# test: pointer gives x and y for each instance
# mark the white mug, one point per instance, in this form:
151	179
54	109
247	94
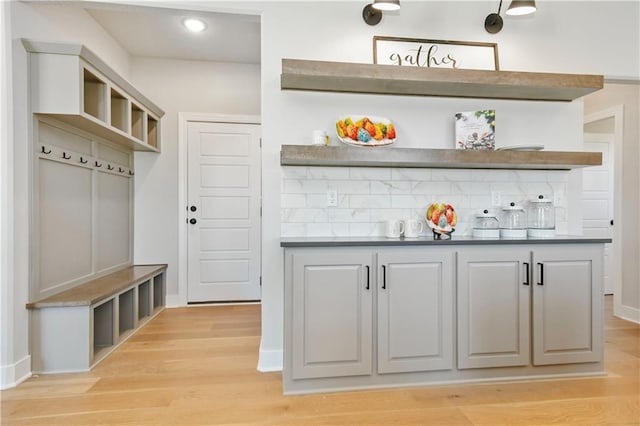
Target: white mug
320	137
413	228
394	228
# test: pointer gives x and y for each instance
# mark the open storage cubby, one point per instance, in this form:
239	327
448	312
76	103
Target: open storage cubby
144	300
76	328
119	111
158	291
70	83
126	311
152	131
103	335
137	121
94	90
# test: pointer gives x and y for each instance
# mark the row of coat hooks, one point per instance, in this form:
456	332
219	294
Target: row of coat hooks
83	160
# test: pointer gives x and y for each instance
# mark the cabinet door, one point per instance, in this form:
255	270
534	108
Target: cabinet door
493	306
567	304
331	314
415	310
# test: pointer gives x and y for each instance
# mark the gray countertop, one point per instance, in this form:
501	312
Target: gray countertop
428	240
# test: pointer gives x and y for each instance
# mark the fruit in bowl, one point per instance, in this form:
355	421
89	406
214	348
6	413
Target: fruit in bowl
365	130
441	218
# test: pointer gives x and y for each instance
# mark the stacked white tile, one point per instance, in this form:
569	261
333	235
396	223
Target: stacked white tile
369	196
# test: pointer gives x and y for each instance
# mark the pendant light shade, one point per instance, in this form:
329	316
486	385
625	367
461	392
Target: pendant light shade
386	5
521	7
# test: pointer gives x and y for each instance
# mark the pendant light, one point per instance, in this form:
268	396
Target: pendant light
521	7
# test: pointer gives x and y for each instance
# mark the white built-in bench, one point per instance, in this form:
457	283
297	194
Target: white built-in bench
75	329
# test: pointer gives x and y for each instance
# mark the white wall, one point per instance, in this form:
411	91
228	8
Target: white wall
179	86
627	95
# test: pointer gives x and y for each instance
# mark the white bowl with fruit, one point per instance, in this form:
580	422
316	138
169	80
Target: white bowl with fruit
365	130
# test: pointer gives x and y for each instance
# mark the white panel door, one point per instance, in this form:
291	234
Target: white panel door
597	198
223	212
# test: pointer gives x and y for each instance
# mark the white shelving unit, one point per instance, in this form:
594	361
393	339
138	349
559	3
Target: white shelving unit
72	84
77	328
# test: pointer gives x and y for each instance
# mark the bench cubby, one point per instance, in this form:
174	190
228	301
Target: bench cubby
77	328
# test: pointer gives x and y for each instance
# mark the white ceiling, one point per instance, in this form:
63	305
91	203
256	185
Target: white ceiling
158	32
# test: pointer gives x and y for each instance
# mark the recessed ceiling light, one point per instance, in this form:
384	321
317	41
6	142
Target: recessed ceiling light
194	24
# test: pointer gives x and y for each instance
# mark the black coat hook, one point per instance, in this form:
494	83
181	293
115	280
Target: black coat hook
120	170
44	151
97	164
83	161
109	167
130	173
64	155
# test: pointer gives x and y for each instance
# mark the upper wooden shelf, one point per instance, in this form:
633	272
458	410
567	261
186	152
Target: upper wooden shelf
421	81
344	156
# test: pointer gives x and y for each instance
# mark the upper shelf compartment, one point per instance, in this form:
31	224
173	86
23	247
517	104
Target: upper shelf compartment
71	83
421	81
305	155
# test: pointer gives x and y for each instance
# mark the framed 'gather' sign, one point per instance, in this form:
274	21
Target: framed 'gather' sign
415	52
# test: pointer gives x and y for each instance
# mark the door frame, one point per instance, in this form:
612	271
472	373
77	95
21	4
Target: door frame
617	113
184	118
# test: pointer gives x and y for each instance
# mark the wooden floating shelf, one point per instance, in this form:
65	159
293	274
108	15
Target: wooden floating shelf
421	81
338	156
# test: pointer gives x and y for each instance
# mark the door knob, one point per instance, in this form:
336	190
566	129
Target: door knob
193	221
193	208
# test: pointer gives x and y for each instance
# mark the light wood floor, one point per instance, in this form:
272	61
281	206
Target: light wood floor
197	366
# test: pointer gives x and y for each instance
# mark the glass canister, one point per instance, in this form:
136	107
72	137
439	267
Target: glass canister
486	226
513	223
541	218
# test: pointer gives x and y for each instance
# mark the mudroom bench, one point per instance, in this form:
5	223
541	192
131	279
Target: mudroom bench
75	329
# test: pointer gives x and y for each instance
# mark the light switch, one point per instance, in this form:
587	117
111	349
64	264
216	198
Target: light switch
332	198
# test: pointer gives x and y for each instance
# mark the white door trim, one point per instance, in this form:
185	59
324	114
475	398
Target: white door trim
617	113
184	118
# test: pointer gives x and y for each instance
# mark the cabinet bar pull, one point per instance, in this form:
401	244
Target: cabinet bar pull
526	268
368	278
541	274
384	277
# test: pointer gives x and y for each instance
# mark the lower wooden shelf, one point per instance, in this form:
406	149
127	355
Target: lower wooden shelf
343	156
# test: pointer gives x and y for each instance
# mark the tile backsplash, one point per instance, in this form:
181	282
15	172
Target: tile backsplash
369	196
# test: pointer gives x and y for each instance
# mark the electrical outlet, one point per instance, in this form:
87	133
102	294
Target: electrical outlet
496	199
332	198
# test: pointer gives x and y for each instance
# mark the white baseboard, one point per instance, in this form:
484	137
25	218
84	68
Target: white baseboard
13	374
173	301
627	313
269	360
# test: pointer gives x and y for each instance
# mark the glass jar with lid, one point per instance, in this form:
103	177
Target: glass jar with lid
486	225
541	218
513	223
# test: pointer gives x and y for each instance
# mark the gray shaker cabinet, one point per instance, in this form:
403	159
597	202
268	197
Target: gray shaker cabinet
567	304
331	313
493	306
415	310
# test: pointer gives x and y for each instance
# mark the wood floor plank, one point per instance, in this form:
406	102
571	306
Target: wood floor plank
197	366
